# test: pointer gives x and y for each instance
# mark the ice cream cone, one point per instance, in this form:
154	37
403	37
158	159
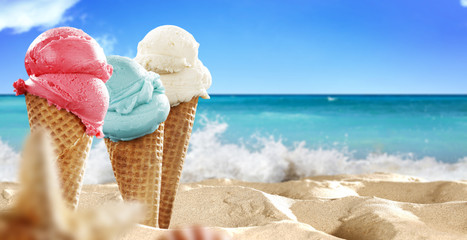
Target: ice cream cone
172	52
71	143
137	165
178	127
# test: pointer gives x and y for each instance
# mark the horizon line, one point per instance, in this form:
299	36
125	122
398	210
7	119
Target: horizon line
319	94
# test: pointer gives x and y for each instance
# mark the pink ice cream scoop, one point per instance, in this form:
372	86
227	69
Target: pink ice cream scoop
69	69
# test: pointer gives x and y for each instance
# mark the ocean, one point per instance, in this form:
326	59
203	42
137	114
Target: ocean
272	138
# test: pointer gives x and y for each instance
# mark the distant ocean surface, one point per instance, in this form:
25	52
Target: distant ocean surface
272	138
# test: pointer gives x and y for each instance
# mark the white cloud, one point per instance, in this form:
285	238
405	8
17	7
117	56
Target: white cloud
22	15
464	3
107	42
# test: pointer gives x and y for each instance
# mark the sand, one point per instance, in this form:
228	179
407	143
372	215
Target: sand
373	206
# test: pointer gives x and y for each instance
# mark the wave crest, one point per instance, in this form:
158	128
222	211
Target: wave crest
9	162
261	159
271	161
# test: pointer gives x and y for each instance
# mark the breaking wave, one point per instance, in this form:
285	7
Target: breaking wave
262	159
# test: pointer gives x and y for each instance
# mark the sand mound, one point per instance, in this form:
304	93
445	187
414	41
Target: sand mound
383	219
230	207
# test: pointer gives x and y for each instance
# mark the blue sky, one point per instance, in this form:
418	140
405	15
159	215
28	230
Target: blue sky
294	46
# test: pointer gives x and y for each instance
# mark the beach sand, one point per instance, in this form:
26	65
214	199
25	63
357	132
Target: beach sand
373	206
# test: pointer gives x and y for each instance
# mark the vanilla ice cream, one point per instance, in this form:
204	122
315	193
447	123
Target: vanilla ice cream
172	52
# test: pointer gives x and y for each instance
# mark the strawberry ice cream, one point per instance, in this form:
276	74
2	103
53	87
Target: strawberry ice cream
69	69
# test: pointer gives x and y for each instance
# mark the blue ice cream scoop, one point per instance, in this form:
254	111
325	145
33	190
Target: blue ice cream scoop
137	101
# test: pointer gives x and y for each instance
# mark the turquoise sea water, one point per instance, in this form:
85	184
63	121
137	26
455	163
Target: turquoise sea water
423	125
404	128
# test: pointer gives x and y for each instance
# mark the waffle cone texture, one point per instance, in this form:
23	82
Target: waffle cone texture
70	142
137	166
178	127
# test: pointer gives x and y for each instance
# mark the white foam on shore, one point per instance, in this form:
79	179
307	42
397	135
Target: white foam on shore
272	161
269	160
98	167
9	162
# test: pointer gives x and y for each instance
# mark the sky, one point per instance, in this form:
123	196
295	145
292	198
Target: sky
270	46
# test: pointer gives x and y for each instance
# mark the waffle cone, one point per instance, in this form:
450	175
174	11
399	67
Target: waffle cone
137	166
71	143
178	127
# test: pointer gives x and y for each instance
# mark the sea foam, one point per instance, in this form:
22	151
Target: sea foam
261	159
9	162
271	161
